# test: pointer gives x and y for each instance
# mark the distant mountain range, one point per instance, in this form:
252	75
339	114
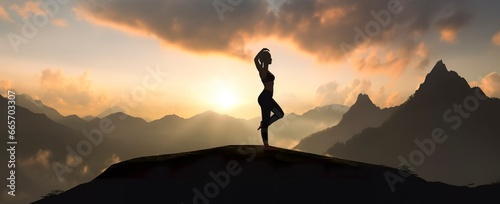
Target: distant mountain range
37	106
283	133
45	141
361	115
447	131
40	143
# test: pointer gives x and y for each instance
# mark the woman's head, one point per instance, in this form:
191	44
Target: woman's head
265	57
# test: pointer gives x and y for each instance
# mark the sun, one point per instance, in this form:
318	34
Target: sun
222	95
225	99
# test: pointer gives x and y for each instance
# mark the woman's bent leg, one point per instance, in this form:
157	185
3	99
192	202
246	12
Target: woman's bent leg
277	112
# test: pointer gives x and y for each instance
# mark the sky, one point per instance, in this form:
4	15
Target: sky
154	58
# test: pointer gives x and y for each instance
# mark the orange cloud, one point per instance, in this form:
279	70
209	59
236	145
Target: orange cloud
381	59
331	15
82	14
449	26
317	27
40	158
448	35
5	85
496	39
29	8
110	161
59	22
383	99
67	94
4	15
490	84
333	93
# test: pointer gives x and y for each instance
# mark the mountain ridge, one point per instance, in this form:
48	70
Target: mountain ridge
445	104
362	114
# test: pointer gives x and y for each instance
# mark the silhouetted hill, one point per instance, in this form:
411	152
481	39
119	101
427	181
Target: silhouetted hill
249	174
88	118
37	106
361	115
325	114
110	111
124	120
447	131
73	121
40	143
168	120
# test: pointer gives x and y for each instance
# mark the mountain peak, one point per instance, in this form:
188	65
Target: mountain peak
110	111
441	81
364	101
439	68
363	97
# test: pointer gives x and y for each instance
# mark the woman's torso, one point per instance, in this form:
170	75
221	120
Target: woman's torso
268	81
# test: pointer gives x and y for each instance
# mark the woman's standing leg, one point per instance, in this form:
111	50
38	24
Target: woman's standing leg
264	124
265	108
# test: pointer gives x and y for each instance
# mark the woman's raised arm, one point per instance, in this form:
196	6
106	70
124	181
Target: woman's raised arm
258	65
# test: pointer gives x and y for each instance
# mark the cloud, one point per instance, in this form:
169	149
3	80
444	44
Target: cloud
41	158
328	94
85	170
190	24
496	39
59	22
383	99
5	85
69	93
4	15
291	101
333	93
27	9
73	160
110	161
317	27
490	84
448	35
449	26
392	62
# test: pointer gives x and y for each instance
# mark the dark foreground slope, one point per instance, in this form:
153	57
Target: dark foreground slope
249	174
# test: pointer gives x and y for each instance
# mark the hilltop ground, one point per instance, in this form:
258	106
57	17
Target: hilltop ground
250	174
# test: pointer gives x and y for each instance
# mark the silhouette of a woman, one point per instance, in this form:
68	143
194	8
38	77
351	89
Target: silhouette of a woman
267	103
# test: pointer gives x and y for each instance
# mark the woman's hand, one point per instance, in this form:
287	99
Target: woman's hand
256	59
